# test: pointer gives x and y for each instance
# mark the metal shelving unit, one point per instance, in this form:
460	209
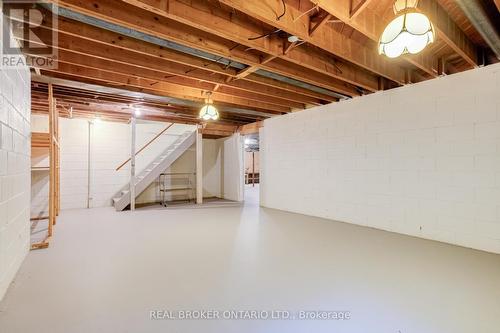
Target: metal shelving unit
176	182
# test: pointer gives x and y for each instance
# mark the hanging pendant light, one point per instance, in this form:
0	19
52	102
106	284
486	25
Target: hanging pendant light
410	32
209	111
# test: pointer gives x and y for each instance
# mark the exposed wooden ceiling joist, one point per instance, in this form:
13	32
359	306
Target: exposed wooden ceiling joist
371	23
314	26
136	95
354	11
259	58
106	75
223	40
326	38
85	53
118	108
133	70
72	32
199	14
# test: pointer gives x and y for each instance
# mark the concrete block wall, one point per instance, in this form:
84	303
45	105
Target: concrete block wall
15	105
421	160
109	147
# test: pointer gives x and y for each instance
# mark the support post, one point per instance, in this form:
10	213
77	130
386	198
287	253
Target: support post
441	67
253	169
132	164
89	163
199	166
57	160
52	164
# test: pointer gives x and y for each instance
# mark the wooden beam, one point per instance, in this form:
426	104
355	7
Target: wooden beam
238	96
236	31
441	67
85	102
201	15
372	24
329	39
40	246
288	87
162	88
251	69
83	52
450	32
52	164
40	140
381	83
111	45
77	29
216	126
252	128
215	134
356	10
199	166
369	23
319	24
288	47
124	117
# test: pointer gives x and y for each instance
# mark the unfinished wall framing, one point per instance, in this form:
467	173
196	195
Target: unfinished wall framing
50	141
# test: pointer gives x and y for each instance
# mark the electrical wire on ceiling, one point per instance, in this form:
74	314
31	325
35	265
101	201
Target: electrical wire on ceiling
275	31
300	43
222	57
306	12
284	11
265	35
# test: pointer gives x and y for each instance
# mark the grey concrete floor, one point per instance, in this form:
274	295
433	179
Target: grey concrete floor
105	271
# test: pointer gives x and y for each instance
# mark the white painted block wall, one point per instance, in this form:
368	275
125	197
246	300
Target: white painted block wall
15	107
421	160
110	146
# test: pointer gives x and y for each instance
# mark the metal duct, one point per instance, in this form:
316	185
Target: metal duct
477	14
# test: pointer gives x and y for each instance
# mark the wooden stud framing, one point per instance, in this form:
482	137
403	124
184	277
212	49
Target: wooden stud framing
199	166
54	169
441	67
52	163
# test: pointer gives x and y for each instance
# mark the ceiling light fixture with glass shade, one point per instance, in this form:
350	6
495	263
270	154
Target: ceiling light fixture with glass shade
209	111
410	32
